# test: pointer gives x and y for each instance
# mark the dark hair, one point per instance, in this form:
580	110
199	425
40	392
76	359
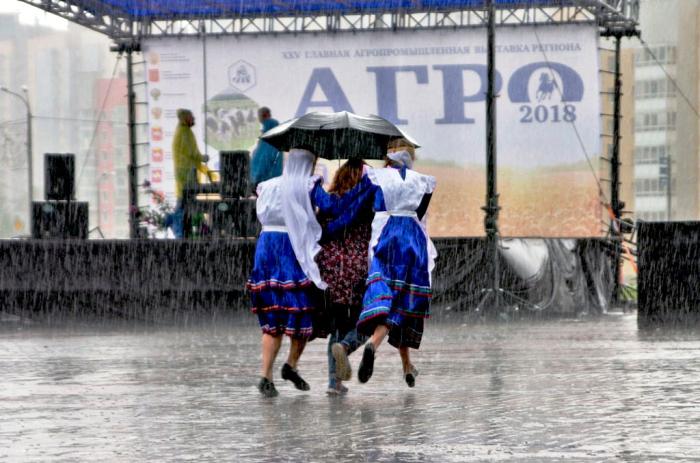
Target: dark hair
347	176
264	110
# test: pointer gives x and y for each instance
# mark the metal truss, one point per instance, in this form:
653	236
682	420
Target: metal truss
96	15
604	13
92	14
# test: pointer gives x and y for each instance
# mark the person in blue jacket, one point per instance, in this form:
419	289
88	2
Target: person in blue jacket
267	160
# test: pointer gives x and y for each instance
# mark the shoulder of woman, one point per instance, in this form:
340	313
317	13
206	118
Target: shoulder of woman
262	186
268	185
371	174
429	181
315	180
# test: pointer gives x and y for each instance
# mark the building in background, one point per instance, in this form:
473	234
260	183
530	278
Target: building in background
67	71
13	127
666	126
112	156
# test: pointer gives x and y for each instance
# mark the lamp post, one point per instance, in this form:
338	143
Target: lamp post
25	100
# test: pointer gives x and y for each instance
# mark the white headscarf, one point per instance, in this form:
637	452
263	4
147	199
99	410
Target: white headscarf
402	157
299	217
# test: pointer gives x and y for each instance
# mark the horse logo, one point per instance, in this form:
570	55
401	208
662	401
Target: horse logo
546	88
552	77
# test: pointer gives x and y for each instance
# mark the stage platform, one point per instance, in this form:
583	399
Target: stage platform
146	279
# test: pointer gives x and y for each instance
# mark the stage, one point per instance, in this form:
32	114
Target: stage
168	280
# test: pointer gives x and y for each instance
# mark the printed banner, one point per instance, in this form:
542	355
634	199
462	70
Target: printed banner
430	83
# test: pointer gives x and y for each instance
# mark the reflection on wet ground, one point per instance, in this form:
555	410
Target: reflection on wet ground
594	390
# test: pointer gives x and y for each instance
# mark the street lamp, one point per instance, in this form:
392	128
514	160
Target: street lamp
25	100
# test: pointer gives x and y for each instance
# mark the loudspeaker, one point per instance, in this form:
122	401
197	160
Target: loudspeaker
234	168
234	219
668	285
59	177
59	220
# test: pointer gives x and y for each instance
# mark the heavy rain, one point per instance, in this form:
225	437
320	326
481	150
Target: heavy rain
262	231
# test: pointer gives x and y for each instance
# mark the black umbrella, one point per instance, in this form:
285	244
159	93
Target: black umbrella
340	135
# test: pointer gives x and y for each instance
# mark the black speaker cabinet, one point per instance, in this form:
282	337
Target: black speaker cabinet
59	177
668	288
234	169
234	219
59	220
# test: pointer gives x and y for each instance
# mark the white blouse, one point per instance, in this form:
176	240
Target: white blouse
269	203
401	197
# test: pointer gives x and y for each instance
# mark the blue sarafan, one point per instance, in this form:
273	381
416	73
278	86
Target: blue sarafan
402	257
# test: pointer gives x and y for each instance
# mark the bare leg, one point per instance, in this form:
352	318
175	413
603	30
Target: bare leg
270	348
409	371
405	359
298	345
378	336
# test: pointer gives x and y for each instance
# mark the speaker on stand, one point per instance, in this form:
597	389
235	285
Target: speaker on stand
59	177
59	220
234	216
60	216
235	170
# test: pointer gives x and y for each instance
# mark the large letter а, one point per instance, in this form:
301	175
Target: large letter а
326	81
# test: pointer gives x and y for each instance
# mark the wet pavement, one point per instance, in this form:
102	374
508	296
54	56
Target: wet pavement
592	390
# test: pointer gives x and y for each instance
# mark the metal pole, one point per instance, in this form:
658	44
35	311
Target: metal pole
30	157
204	80
615	171
492	208
669	189
133	192
615	155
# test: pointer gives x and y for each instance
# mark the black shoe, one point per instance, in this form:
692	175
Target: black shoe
364	373
267	388
410	377
290	374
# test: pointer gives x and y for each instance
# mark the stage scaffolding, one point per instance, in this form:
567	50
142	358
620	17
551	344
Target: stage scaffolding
139	19
127	22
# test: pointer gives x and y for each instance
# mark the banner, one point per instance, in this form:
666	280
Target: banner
432	84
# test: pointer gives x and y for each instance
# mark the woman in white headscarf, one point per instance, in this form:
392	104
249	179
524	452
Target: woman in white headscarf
401	256
285	280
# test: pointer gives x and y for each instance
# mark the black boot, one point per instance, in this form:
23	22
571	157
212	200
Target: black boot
410	377
267	388
290	374
364	373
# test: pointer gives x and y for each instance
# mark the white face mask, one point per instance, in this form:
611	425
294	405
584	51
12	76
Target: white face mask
402	157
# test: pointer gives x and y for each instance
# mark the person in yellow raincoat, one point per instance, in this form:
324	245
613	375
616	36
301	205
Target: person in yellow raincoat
186	157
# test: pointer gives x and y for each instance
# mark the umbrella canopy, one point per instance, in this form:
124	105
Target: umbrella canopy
340	135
